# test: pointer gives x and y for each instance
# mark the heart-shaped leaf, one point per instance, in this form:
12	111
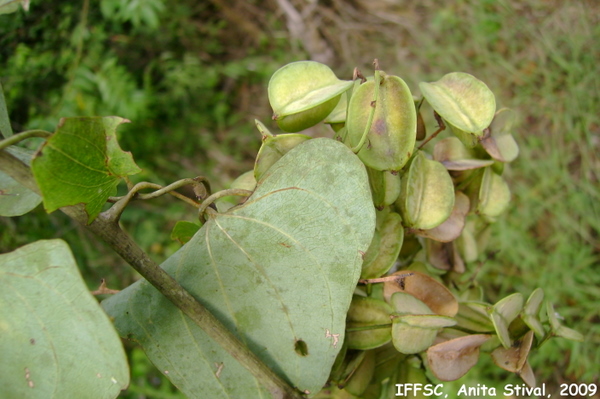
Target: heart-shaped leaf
462	100
82	163
278	270
56	341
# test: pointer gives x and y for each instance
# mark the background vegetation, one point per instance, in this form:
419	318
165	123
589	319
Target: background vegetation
191	76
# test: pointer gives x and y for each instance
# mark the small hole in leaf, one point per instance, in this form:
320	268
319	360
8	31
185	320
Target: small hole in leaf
301	348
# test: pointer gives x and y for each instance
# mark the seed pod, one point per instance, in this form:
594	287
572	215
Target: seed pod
385	246
427	196
303	93
452	359
273	148
503	313
465	103
359	380
385	187
499	142
370	319
390	130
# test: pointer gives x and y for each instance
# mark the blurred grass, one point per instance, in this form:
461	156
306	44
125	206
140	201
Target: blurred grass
539	58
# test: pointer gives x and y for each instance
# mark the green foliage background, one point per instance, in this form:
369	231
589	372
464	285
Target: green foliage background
191	76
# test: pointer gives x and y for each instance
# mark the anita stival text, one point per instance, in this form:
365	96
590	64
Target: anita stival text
477	391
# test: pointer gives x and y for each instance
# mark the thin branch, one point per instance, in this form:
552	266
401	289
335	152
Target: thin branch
441	127
220	194
110	232
17	138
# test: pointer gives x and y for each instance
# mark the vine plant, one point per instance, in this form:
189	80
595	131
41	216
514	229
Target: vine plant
348	266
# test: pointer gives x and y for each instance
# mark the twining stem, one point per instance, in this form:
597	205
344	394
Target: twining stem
17	138
377	81
121	202
109	231
220	194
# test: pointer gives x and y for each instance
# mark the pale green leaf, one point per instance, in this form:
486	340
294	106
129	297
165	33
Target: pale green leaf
15	199
279	271
56	340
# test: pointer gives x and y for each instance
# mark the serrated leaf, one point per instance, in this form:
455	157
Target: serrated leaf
278	270
56	340
82	163
462	100
16	199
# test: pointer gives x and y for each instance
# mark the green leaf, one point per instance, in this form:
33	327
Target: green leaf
15	199
278	270
82	163
56	340
462	100
184	231
10	6
5	127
